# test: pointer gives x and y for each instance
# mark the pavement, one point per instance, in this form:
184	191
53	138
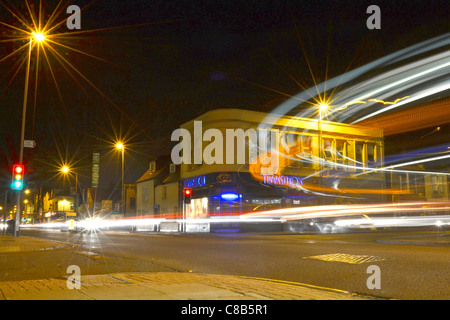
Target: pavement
170	285
153	285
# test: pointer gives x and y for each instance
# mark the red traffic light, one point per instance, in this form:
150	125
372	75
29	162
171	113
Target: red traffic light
18	169
187	195
17	180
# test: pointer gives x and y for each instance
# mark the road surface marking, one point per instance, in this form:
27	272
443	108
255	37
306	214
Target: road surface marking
346	258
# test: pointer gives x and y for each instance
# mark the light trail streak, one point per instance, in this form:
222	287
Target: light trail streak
334	211
431	114
347	169
417	96
397	88
350	171
420	161
408	214
373	100
422	72
379	222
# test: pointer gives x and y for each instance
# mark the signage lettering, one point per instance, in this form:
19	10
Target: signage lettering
282	180
195	182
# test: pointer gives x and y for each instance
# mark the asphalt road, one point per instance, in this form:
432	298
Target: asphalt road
406	271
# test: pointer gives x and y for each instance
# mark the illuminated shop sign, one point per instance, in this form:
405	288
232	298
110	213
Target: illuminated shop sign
223	178
230	196
194	182
282	180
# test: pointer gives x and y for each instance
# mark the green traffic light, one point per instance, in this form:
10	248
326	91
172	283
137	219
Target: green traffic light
17	185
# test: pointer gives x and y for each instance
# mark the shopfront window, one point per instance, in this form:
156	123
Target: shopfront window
359	156
307	152
341	154
259	204
438	185
328	152
371	155
197	209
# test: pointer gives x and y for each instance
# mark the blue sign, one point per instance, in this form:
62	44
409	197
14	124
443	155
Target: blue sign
195	182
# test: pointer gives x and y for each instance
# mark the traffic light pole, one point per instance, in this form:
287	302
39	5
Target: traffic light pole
22	139
4	212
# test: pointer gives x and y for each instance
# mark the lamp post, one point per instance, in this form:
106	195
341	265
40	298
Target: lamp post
38	37
322	108
66	170
3	222
121	147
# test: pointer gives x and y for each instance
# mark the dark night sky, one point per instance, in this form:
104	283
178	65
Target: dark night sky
187	58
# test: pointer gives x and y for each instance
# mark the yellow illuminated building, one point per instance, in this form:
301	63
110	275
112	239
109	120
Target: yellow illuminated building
241	161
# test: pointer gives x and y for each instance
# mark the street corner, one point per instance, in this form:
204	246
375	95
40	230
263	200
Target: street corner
25	243
184	286
201	286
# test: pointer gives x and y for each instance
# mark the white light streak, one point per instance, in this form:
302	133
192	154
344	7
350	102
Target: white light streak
412	221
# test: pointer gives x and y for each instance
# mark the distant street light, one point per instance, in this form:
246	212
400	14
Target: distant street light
66	170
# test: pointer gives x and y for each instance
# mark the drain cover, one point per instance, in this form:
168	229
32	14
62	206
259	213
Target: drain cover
347	258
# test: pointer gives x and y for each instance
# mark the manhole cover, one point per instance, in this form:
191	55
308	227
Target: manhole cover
346	258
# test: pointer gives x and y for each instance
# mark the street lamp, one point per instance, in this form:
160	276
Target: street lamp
66	170
120	146
38	37
322	108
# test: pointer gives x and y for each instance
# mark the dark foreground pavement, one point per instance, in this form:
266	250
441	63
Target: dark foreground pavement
152	285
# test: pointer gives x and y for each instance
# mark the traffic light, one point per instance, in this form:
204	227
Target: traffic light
17	179
187	195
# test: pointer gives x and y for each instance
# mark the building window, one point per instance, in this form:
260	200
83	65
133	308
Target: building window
403	181
438	186
292	145
307	152
371	155
328	152
341	154
359	156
